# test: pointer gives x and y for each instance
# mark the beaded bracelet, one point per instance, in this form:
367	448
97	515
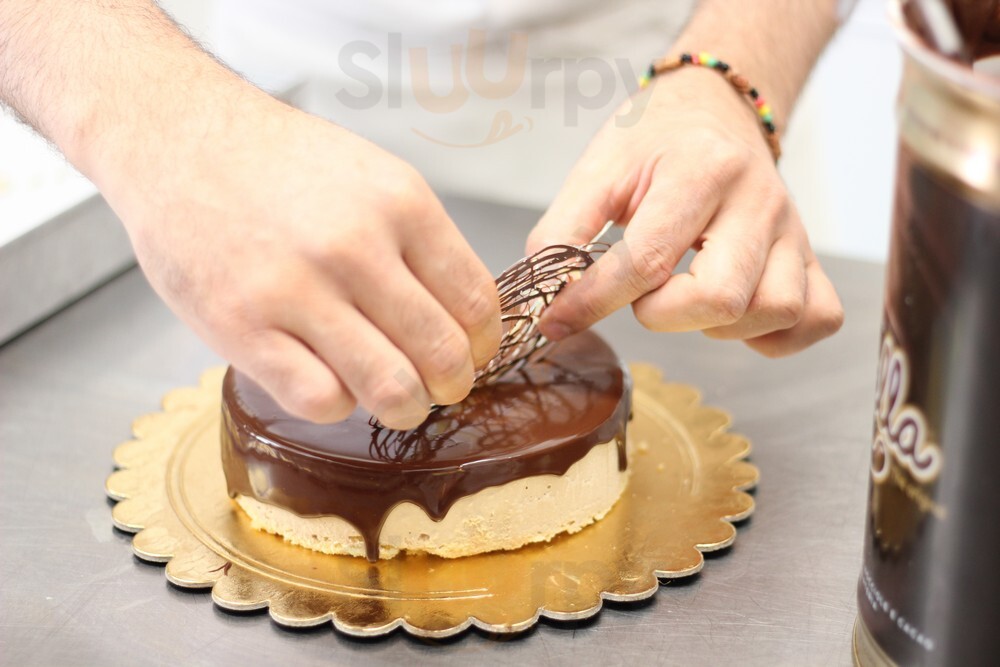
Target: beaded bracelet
738	81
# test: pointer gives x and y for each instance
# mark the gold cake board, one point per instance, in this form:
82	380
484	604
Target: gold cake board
687	485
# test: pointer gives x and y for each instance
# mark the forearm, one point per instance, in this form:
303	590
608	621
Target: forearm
104	80
774	43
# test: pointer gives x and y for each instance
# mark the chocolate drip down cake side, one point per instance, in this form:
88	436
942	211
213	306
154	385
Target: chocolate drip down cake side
539	452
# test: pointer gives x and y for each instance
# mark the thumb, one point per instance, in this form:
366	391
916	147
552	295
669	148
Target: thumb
579	211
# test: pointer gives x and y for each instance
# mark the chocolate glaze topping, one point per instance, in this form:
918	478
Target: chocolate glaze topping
540	420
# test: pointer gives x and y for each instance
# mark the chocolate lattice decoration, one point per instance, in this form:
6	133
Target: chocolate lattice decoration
526	289
492	429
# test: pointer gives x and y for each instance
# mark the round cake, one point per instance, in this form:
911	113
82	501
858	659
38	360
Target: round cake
539	452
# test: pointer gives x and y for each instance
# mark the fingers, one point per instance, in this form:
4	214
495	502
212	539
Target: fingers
822	316
399	341
417	324
397	350
720	282
665	225
443	262
779	303
779	300
375	371
291	373
582	207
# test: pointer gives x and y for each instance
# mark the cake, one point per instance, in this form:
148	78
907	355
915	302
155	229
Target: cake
539	452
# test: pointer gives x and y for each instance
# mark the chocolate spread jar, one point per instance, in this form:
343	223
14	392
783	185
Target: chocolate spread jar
929	591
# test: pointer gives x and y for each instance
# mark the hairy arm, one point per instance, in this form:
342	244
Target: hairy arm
774	43
247	215
91	75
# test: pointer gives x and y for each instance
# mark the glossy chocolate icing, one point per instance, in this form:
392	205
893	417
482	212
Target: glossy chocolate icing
536	421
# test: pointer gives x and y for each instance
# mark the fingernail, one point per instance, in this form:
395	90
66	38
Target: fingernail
555	330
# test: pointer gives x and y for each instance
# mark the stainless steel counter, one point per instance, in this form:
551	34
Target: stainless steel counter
72	593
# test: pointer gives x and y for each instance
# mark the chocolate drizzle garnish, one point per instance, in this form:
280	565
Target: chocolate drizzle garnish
537	420
519	394
526	289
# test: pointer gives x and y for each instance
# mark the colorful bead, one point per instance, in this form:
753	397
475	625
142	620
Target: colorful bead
738	81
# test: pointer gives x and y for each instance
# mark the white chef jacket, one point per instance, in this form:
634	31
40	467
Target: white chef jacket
492	99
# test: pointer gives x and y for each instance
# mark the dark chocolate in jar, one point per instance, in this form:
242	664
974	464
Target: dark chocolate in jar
929	593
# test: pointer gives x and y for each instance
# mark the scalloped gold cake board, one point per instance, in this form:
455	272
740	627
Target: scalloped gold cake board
687	485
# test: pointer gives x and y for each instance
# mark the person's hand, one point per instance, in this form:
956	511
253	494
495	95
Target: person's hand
318	264
693	172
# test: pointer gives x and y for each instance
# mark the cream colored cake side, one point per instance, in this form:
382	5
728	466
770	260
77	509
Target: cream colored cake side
533	509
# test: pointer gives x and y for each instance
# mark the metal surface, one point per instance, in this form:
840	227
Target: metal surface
686	487
73	594
57	261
